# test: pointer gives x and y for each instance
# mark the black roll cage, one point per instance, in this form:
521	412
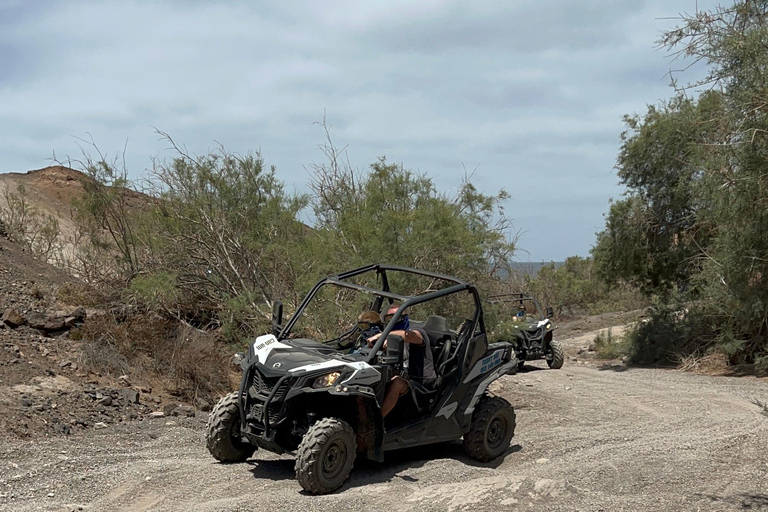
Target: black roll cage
405	300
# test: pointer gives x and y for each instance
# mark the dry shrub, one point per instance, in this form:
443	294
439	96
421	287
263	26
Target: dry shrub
712	363
190	362
86	295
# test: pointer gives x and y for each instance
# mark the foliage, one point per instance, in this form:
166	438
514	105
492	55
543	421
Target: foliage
224	230
575	287
39	233
392	215
607	346
106	240
695	218
190	360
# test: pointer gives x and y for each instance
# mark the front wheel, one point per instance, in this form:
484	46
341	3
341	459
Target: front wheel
493	425
557	355
223	432
325	456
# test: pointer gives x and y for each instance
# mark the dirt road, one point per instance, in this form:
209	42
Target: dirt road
589	437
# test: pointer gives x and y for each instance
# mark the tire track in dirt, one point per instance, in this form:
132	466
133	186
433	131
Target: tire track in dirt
588	438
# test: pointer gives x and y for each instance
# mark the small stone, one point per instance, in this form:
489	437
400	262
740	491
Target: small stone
51	495
542	461
170	423
184	410
157	414
170	409
124	380
100	424
147	479
129	395
12	318
105	401
202	404
26	402
64	364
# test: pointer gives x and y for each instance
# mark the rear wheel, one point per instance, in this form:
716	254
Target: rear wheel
557	355
493	425
223	432
325	456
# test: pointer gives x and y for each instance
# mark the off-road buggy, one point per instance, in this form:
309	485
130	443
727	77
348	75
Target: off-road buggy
309	397
529	328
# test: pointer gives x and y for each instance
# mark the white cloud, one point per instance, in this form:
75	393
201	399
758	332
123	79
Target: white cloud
532	92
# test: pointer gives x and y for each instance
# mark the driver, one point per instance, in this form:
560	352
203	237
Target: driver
421	368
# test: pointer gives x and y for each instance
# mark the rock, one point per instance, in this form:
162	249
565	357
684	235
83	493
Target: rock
124	380
12	318
64	364
130	395
550	488
100	424
44	322
542	461
592	347
156	414
26	402
202	404
78	314
63	429
106	400
170	410
70	321
184	410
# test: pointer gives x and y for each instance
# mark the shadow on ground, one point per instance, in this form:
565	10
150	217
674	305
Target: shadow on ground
747	501
366	472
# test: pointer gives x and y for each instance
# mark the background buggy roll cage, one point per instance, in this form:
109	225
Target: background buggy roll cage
405	300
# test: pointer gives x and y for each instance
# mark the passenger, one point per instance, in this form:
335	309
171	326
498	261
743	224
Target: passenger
421	368
369	323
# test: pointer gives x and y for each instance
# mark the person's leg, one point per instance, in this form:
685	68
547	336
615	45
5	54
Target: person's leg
397	386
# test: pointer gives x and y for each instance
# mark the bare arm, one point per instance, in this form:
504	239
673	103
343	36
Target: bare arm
412	337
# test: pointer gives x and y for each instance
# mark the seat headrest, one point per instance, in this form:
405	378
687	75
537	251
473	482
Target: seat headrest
435	323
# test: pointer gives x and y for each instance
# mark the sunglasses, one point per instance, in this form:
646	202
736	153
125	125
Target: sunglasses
389	316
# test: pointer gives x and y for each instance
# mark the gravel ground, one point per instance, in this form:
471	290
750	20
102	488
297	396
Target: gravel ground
591	436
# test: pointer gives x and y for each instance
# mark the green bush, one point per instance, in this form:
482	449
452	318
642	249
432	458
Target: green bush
607	346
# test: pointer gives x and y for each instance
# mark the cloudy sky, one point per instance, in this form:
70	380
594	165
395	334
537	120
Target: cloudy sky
528	93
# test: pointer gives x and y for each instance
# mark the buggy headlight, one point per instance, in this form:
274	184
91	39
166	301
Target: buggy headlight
549	326
326	381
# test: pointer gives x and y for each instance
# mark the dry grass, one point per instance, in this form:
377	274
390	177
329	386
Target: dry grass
762	405
191	363
714	363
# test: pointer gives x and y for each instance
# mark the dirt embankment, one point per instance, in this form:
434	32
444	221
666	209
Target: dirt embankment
591	436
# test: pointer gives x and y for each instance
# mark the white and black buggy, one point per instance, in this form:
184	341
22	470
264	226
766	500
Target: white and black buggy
317	395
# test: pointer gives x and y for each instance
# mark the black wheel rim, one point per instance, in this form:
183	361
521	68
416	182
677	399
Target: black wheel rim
333	461
234	432
497	431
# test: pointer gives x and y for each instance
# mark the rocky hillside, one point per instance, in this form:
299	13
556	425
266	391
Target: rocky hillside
44	390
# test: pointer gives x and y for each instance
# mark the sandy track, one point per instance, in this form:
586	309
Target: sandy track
588	438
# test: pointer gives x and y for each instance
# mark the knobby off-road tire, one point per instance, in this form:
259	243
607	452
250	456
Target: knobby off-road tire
223	432
325	456
558	356
493	425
